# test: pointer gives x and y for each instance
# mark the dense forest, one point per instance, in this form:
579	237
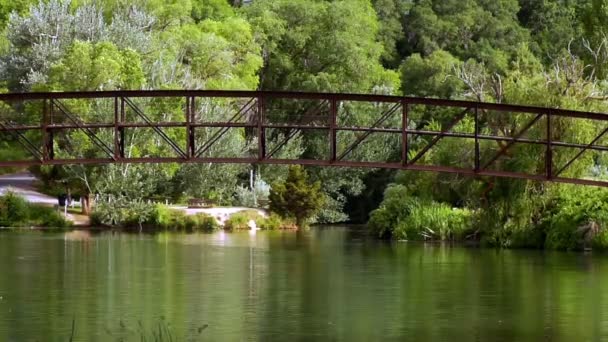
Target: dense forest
544	53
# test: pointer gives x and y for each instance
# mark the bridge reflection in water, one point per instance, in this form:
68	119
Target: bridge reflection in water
191	124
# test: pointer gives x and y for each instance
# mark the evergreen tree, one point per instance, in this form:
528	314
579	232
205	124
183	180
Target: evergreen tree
296	197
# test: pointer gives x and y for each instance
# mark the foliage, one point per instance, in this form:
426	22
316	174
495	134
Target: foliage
16	212
241	220
578	218
296	197
43	216
434	221
274	222
121	211
204	223
252	197
405	217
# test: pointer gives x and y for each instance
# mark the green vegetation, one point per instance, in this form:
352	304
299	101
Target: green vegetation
296	197
542	53
407	218
16	212
122	213
275	222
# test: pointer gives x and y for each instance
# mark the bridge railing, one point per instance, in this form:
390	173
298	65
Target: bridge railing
349	130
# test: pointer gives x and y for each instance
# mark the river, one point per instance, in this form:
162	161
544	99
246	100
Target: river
325	284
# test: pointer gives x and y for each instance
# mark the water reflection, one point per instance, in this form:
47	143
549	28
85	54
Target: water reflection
324	284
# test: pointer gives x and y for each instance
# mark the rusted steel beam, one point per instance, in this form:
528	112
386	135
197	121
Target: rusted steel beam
283	142
156	129
417	167
293	130
23	141
261	129
224	127
48	127
519	134
438	137
583	150
477	152
47	153
80	125
383	117
549	149
117	155
12	97
404	135
333	136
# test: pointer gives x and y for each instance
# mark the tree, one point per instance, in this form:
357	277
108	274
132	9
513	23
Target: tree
296	197
485	30
327	46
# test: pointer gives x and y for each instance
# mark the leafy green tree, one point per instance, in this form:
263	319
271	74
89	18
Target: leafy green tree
320	46
296	197
432	76
39	39
552	24
484	30
9	6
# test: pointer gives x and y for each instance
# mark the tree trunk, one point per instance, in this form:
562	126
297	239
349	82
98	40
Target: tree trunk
86	204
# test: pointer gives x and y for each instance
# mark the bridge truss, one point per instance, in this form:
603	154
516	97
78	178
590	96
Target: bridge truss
190	124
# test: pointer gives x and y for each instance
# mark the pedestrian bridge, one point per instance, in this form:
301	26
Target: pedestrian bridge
490	140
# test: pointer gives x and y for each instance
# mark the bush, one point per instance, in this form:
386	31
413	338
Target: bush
204	223
41	216
14	210
296	197
434	221
272	222
578	218
237	221
254	197
404	217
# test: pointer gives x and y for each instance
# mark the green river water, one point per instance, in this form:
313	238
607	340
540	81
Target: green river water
327	284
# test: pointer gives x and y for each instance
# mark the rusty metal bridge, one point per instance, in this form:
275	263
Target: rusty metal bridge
190	123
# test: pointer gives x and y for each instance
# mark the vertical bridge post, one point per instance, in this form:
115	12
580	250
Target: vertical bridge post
549	152
333	112
477	156
404	127
190	148
261	129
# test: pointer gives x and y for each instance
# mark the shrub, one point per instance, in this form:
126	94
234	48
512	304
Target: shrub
176	220
434	221
296	197
272	222
203	222
159	216
395	207
252	197
42	216
237	221
578	218
404	217
14	210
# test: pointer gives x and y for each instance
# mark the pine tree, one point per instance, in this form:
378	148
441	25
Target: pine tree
296	197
